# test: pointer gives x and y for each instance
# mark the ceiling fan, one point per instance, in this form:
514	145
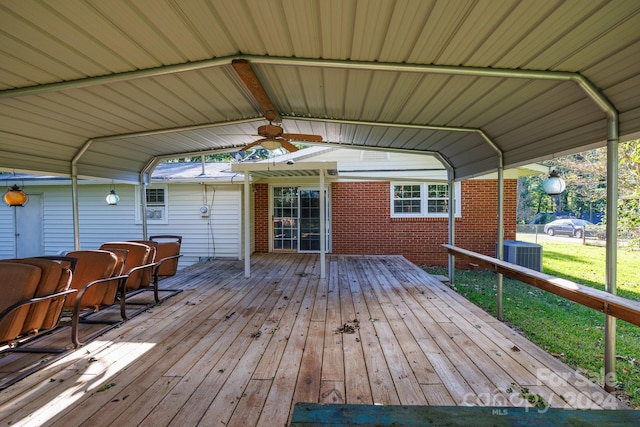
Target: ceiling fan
273	136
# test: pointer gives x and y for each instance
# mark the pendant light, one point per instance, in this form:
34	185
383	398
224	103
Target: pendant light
15	196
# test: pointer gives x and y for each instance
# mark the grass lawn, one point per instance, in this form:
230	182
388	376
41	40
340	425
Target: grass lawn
569	331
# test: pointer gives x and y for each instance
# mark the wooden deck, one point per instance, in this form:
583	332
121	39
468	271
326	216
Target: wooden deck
241	352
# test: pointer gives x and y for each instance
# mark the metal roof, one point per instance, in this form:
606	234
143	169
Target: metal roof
115	85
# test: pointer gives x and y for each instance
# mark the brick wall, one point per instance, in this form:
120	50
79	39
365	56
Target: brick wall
362	224
261	217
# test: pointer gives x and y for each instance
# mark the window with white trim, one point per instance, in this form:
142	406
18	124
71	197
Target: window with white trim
427	199
156	210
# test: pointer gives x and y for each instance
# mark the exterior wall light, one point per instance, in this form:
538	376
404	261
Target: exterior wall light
15	196
553	185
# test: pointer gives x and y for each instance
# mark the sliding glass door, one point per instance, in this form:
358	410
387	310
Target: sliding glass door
296	219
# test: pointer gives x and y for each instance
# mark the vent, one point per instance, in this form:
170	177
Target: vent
524	254
374	155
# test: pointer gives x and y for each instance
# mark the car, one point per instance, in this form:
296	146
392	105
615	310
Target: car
547	217
569	227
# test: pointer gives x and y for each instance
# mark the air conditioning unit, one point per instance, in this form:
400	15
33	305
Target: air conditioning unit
525	254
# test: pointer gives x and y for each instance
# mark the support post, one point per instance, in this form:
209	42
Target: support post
143	204
500	249
323	228
612	248
75	203
247	226
452	223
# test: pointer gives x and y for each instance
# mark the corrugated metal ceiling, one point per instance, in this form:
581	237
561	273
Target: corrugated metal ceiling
146	78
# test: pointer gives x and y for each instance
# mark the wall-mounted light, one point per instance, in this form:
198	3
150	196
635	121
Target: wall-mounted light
553	185
112	197
15	196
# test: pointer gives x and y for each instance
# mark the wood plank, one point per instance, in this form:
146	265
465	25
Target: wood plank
279	403
357	385
333	353
383	389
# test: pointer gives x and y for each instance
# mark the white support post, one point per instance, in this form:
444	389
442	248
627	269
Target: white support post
500	235
247	226
323	228
613	140
452	223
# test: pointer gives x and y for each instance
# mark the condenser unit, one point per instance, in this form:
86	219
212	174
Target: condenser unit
525	254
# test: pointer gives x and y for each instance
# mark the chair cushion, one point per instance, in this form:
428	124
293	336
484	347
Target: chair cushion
19	283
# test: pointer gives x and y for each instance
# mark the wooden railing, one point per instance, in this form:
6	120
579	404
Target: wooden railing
613	305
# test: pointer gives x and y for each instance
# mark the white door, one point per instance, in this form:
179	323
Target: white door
29	227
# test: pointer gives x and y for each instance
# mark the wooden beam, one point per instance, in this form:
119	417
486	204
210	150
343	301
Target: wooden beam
251	81
613	305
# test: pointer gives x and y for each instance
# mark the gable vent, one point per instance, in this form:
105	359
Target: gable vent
374	155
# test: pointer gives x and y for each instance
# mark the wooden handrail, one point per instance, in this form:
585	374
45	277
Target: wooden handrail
613	305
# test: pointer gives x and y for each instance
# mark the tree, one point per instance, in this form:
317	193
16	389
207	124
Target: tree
585	175
629	200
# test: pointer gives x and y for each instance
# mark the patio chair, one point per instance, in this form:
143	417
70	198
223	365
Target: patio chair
19	283
147	274
97	278
32	294
40	306
169	251
137	256
158	258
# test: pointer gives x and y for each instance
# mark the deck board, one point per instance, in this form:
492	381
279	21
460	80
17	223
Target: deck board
235	351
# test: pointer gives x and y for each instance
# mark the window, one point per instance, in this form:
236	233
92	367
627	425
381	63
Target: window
407	199
422	199
156	205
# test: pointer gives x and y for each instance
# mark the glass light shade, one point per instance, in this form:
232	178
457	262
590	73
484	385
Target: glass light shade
553	185
15	196
112	198
270	144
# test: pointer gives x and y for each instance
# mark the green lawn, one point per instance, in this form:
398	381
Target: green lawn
569	331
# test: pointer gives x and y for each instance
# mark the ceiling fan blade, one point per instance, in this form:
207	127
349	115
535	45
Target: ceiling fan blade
288	146
249	78
253	144
302	137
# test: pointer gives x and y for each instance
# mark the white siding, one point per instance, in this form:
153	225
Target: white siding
215	236
7	231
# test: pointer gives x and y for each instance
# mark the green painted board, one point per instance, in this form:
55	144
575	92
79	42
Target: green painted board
317	414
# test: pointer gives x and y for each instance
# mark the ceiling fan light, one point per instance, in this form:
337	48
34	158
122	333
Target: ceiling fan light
270	144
